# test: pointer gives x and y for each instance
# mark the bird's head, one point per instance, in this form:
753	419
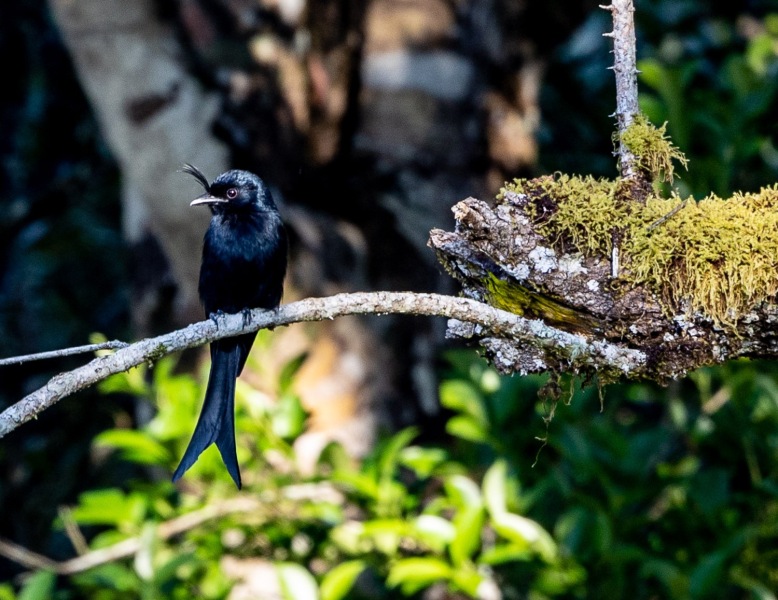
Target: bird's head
232	191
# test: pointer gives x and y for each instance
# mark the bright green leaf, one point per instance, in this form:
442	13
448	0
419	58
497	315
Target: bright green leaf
464	398
338	582
466	428
467	539
414	574
463	491
288	417
521	530
434	531
296	582
495	488
134	446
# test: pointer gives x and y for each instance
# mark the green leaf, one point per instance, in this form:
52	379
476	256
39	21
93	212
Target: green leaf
414	574
505	553
521	530
468	580
389	454
296	582
709	574
338	582
110	576
288	417
134	446
7	592
423	461
466	428
463	491
463	397
286	378
109	507
434	531
467	540
40	586
651	72
585	532
131	382
494	487
385	534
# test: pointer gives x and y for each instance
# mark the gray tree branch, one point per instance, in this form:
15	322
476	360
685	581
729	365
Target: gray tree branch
18	360
578	351
625	69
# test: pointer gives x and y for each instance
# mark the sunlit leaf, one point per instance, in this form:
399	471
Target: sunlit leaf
296	582
338	582
288	417
521	530
495	488
467	539
109	507
414	574
463	397
466	428
423	461
434	531
134	446
463	491
40	586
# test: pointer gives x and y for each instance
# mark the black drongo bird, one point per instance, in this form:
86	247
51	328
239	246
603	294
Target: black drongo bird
244	262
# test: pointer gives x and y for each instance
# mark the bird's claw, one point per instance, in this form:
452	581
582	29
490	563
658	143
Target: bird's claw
214	316
246	314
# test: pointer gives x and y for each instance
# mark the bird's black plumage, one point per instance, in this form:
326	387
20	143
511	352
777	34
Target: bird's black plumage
243	267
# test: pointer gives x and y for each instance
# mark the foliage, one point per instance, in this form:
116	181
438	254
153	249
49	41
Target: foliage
663	494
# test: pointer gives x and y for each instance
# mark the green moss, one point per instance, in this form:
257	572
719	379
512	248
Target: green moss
159	351
654	151
572	211
717	256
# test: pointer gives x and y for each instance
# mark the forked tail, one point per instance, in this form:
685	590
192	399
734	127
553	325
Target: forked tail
216	424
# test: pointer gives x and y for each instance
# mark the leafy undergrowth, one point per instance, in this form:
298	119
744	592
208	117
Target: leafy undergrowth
667	494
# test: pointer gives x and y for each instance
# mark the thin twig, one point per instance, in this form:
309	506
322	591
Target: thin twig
625	69
22	556
17	360
666	217
267	506
493	321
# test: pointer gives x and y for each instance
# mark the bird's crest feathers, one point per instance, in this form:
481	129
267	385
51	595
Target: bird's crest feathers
197	174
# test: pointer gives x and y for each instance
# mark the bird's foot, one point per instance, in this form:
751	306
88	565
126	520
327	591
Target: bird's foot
275	312
246	314
214	316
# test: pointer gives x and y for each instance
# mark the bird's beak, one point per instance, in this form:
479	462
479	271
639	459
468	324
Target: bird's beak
207	198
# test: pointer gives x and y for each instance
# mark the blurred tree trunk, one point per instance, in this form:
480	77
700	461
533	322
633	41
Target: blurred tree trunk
371	119
155	116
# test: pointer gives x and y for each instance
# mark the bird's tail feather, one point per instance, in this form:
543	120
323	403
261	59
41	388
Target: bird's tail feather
216	424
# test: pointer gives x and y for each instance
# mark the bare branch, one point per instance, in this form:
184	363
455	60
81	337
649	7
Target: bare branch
18	360
130	546
265	507
490	320
625	68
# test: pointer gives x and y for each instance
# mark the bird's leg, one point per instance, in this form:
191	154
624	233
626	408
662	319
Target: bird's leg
246	313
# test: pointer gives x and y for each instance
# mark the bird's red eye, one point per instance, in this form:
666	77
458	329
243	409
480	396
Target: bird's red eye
232	193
